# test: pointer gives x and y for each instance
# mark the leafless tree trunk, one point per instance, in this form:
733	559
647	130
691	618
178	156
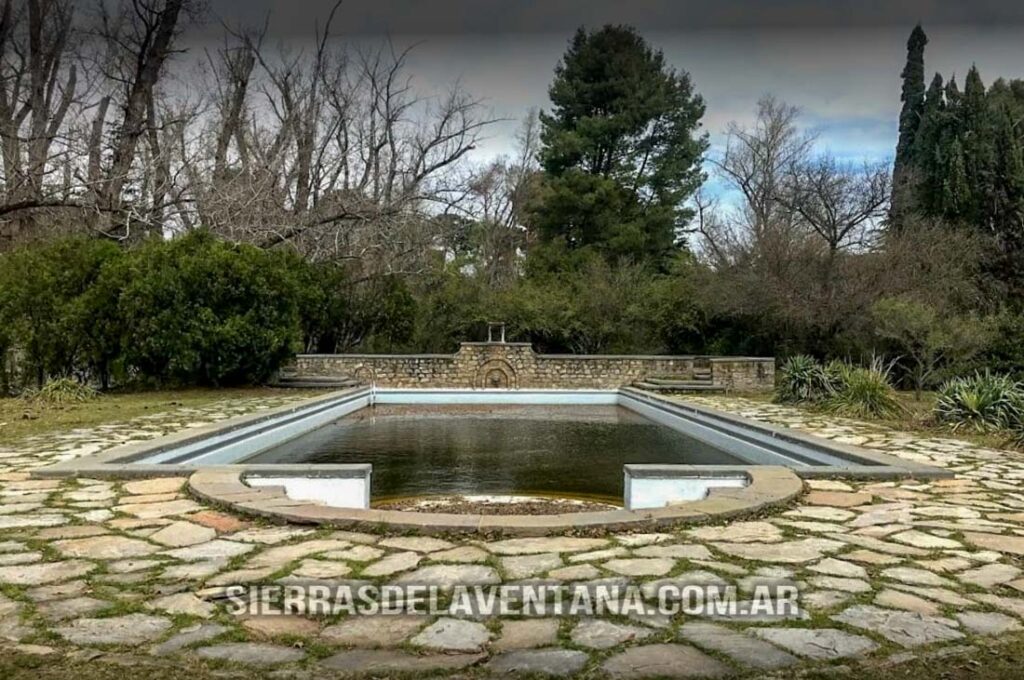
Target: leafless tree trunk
149	37
37	88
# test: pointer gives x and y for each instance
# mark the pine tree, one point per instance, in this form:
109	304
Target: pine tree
622	149
965	162
913	98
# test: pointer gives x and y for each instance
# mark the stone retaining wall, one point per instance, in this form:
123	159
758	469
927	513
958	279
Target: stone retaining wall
516	365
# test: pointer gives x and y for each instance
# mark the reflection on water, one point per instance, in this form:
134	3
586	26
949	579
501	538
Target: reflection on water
565	451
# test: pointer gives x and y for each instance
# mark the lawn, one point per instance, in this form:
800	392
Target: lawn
20	418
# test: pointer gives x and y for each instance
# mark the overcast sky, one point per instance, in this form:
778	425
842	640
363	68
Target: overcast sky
838	60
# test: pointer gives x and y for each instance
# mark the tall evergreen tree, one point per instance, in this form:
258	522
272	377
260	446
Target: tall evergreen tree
913	98
928	144
622	149
966	163
979	151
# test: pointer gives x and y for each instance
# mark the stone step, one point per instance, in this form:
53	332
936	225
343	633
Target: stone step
314	381
675	382
679	386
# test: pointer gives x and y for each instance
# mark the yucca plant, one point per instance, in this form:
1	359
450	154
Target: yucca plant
863	392
983	402
802	379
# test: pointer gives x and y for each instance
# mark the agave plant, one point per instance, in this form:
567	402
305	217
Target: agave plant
983	402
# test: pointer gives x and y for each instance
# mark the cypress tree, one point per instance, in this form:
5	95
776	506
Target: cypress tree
1008	200
960	158
928	149
953	98
912	96
979	151
957	191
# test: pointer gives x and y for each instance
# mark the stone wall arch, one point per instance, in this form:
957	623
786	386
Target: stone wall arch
496	374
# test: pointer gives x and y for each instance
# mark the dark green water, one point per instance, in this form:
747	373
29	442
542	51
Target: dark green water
567	451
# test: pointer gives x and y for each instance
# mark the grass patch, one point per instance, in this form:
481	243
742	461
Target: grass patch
21	418
916	416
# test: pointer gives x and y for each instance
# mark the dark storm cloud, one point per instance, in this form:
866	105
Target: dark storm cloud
425	17
837	60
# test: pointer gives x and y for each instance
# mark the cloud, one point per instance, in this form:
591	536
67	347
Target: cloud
838	61
463	17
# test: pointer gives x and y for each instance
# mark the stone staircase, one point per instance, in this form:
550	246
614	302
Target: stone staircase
318	382
700	381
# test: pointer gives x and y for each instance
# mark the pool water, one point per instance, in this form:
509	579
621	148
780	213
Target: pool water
566	451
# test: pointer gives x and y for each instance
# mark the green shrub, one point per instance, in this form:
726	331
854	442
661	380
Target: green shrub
62	391
43	292
983	402
862	392
198	310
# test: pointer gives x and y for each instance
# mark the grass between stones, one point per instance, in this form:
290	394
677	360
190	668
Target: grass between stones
987	659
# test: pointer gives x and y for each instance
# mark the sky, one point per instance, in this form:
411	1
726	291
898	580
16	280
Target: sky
837	60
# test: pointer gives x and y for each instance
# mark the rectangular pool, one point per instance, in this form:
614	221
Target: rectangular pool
434	449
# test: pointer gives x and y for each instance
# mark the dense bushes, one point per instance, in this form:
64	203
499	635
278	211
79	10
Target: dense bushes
200	311
839	387
595	308
48	308
193	310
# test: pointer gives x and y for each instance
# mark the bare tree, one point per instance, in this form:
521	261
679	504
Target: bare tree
842	203
145	42
792	252
331	152
756	162
38	83
327	150
489	209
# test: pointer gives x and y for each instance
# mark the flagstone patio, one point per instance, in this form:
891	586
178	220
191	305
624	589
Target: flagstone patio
135	569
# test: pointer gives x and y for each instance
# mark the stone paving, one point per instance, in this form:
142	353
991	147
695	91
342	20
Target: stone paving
136	570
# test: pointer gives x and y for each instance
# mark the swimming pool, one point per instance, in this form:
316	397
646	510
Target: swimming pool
429	449
333	458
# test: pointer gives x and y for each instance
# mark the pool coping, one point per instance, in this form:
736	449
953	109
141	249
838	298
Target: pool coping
769	486
118	461
873	464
